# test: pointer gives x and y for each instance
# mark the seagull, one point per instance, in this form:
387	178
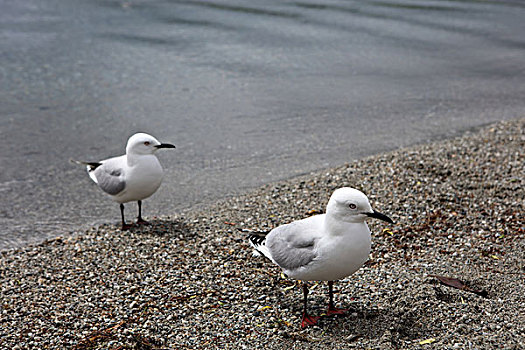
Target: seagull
131	177
325	247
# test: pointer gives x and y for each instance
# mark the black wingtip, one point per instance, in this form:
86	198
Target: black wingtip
91	165
257	239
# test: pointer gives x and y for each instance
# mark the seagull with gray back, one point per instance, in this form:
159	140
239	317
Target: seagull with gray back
324	247
133	176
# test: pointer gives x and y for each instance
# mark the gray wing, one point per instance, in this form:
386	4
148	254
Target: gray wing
292	245
110	178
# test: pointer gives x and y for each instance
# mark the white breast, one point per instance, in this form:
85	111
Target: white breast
143	178
338	256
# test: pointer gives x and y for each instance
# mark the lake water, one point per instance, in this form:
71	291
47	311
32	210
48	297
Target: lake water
249	91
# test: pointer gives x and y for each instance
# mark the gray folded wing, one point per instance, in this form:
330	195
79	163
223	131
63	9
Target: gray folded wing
110	178
291	246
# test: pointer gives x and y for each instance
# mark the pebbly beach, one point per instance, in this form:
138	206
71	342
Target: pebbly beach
190	281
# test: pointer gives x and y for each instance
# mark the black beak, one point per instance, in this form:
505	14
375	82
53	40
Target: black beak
380	216
165	145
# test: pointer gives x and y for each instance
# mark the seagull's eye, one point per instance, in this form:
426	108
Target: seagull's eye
352	206
146	143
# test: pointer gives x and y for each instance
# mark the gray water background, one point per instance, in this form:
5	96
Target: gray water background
249	91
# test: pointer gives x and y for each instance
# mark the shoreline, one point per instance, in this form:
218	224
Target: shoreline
241	192
69	223
457	207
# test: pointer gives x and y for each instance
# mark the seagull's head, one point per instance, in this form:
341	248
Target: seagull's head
142	143
351	205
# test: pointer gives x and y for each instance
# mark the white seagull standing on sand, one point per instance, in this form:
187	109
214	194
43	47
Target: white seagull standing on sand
131	177
324	247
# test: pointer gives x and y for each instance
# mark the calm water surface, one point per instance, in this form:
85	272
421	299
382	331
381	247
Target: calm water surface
249	91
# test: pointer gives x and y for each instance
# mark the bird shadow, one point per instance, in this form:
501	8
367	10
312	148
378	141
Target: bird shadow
387	324
163	227
392	325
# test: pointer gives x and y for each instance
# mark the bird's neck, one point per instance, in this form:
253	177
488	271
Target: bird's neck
133	158
336	226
